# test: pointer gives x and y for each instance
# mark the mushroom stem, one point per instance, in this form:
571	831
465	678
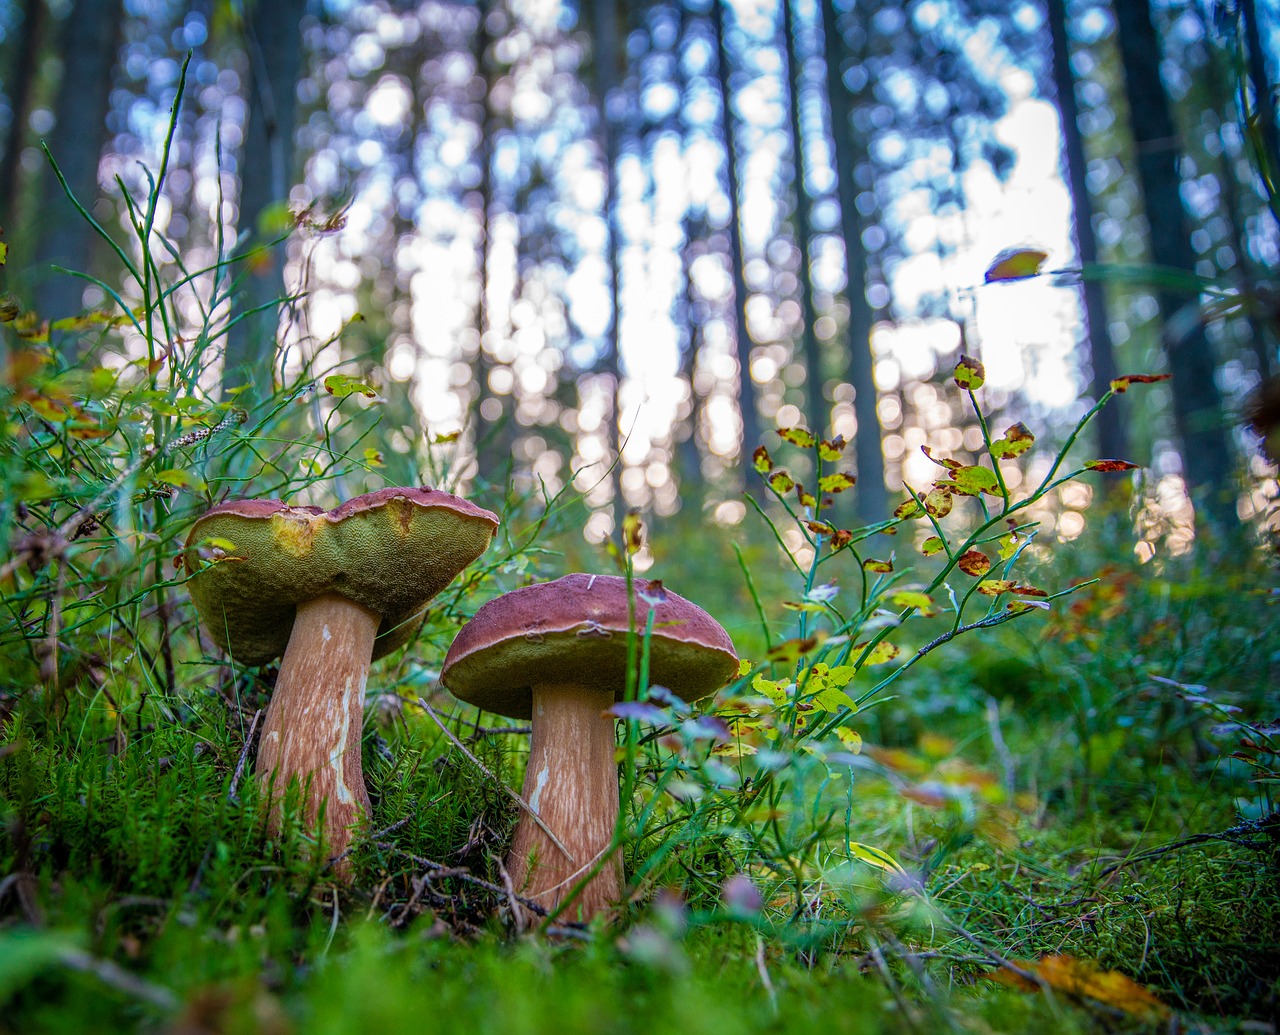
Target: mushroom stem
572	784
312	727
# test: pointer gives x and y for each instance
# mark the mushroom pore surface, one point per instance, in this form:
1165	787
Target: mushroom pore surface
574	631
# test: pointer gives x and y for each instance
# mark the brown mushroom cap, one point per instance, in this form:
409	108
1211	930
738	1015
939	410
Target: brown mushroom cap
574	630
390	551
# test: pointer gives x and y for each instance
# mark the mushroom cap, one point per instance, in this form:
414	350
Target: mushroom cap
391	551
574	630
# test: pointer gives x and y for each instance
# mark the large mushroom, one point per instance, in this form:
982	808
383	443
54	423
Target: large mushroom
330	591
557	653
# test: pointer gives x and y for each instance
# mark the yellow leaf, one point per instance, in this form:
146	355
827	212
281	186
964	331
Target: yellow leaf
851	740
1084	980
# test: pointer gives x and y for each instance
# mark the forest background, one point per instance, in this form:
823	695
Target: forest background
580	260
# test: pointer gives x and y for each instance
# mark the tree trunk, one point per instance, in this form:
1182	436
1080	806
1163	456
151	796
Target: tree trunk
273	44
22	79
748	403
871	498
815	397
1261	84
1197	404
1097	334
90	41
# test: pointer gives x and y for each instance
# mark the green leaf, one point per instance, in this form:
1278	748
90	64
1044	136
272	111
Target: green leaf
932	545
1017	440
342	385
876	857
916	598
970	373
830	449
774	689
180	479
761	460
833	699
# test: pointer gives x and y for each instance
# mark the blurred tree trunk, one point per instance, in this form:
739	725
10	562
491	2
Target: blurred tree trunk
90	41
815	398
1097	334
22	76
1262	92
871	498
748	403
606	55
273	45
493	454
1197	404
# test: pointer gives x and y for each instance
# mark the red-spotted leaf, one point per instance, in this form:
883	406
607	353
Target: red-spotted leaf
939	501
798	437
1015	264
882	567
932	545
950	465
881	652
841	538
970	373
836	483
761	460
1109	465
781	482
1121	384
909	509
974	562
1017	440
969	481
819	527
830	449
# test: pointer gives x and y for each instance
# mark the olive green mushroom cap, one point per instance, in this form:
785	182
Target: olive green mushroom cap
574	631
255	561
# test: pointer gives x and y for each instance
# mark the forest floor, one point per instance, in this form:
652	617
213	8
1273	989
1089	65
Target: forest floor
1069	826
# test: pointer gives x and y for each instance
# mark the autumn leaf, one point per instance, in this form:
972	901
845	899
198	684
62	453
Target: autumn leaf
1121	384
1109	465
881	567
1017	440
970	481
970	373
836	483
1084	979
849	739
761	460
632	531
880	653
916	598
994	587
974	562
949	464
1015	264
790	651
445	437
909	509
841	538
781	482
798	437
819	527
806	498
939	501
830	449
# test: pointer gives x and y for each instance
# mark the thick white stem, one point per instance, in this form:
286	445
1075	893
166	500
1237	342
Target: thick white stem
572	784
312	728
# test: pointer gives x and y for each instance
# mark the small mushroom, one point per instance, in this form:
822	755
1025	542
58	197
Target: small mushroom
331	591
557	653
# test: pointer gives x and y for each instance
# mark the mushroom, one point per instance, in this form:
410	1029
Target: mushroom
557	653
331	591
